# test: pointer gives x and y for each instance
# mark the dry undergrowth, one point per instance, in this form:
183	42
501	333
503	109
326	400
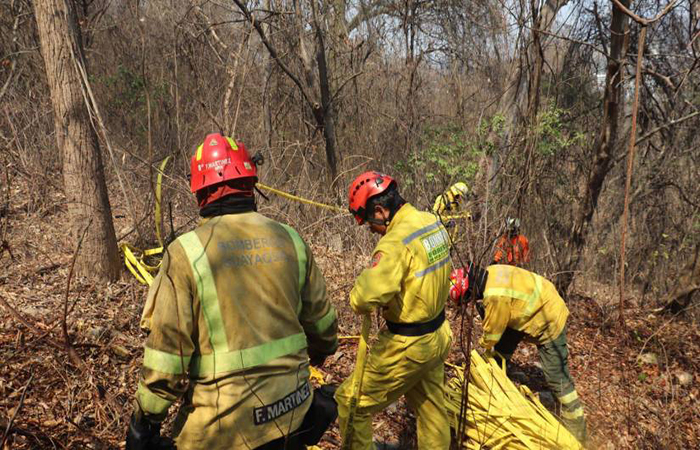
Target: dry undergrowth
52	403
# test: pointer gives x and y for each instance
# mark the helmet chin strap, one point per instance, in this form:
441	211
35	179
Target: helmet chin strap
392	213
377	221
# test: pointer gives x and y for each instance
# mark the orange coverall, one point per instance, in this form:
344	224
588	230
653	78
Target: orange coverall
513	250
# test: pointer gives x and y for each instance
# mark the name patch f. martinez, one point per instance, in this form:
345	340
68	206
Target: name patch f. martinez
282	406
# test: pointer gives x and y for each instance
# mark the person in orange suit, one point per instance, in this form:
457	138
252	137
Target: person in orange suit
512	247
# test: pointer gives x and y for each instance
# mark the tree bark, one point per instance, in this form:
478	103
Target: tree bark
322	111
521	97
328	117
603	158
83	174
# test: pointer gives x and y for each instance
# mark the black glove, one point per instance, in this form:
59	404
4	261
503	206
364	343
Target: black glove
480	309
317	360
145	435
323	411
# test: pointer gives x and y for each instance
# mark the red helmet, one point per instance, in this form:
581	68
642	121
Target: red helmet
220	159
459	284
366	186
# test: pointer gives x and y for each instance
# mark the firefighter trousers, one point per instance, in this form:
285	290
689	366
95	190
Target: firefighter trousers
400	365
554	357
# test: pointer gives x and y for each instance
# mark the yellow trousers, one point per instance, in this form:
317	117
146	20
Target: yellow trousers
396	366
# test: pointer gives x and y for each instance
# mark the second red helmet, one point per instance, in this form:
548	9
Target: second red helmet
366	186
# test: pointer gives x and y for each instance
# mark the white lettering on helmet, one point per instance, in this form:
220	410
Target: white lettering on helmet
218	163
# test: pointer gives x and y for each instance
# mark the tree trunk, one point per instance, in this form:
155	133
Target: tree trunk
267	97
605	144
83	175
326	113
327	108
523	85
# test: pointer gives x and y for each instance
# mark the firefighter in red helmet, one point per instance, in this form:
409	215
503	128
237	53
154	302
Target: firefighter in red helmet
516	305
236	314
408	281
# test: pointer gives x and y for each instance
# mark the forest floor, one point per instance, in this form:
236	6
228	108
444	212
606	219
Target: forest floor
50	401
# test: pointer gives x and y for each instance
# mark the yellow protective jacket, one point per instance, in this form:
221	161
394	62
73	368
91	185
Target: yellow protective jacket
409	274
231	313
524	301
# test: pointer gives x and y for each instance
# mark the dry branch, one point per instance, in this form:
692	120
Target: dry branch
17	409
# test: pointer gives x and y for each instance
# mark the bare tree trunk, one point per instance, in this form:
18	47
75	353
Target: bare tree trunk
326	113
603	158
523	83
269	67
83	174
323	111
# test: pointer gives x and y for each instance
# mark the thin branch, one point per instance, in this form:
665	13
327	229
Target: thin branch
13	62
273	52
630	163
640	20
72	354
96	119
19	406
349	79
666	125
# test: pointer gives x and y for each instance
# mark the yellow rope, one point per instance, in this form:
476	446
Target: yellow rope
302	200
158	197
358	374
134	258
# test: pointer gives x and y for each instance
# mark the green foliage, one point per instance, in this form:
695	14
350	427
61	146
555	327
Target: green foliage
129	88
551	132
495	124
446	155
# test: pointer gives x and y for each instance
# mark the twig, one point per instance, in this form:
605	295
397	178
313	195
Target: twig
95	120
273	52
15	313
19	406
666	125
640	20
13	62
72	354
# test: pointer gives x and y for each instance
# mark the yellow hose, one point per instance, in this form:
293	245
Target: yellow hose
360	362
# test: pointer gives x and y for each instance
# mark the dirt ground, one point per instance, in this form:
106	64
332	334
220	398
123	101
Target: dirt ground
50	401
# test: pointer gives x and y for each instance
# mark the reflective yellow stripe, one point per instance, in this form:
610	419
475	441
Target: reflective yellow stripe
530	299
165	362
493	337
505	292
206	288
151	403
233	144
568	398
434	267
326	321
199	153
250	357
302	259
420	232
575	414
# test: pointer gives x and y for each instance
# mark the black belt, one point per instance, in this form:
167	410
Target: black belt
416	329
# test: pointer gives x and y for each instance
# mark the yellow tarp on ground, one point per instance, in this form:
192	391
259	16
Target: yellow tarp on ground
500	415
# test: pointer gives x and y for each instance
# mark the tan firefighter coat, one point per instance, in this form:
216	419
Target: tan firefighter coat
234	309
